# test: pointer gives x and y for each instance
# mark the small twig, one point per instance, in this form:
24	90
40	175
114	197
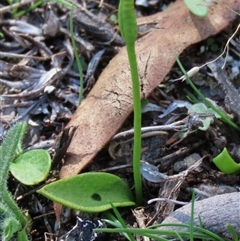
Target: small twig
178	153
174	126
171	201
115	168
11	55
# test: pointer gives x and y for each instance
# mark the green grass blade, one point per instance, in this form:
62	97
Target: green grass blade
29	9
80	69
192	215
121	221
233	232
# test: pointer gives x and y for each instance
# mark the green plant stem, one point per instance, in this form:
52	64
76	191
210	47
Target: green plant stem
202	234
121	221
128	27
64	2
137	124
32	7
22	235
38	3
76	57
15	9
11	205
192	215
233	232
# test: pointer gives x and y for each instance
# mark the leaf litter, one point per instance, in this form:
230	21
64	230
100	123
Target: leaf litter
40	84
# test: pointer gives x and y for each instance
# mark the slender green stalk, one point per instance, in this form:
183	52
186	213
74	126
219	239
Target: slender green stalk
29	9
36	4
136	124
199	233
128	27
192	215
233	232
191	97
14	9
121	221
65	2
76	57
180	238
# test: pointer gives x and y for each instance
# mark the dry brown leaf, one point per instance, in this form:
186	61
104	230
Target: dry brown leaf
110	101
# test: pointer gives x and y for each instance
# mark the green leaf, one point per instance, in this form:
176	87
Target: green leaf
31	167
22	235
233	232
90	192
120	220
10	227
197	7
200	108
225	163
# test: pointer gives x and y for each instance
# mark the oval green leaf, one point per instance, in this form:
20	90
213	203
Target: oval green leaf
225	163
31	167
197	7
90	192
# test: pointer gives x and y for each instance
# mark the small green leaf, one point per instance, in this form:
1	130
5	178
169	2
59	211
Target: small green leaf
90	192
10	227
233	232
200	108
225	163
31	167
22	235
197	7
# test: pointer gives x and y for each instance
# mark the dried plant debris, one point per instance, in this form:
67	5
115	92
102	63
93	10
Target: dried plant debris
100	30
38	77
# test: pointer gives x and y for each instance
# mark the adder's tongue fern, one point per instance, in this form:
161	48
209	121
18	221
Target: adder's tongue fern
128	27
